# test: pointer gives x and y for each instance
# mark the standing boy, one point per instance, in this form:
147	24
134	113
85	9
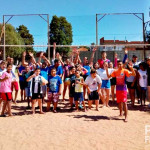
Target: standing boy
54	89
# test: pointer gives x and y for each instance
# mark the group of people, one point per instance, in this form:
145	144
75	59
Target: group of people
43	82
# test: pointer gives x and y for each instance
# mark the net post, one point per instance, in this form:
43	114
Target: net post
4	55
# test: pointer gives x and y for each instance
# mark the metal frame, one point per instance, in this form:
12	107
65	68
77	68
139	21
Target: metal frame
135	14
40	15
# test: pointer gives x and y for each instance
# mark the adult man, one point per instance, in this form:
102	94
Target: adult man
121	88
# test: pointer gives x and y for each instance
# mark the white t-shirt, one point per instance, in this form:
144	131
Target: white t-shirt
93	83
143	78
102	73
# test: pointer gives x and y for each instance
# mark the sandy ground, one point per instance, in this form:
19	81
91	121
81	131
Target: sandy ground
66	130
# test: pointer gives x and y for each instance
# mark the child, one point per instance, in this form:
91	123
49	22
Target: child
37	82
142	75
54	89
5	90
93	85
78	95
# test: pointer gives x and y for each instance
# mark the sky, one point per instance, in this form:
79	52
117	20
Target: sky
82	16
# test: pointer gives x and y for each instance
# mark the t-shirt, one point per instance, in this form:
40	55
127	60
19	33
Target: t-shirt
148	75
21	78
59	70
26	75
143	78
54	83
36	84
102	73
120	79
72	80
88	68
101	61
78	86
6	85
44	72
93	83
66	70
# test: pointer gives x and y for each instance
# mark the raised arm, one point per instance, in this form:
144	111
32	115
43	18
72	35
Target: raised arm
32	58
54	50
24	63
92	56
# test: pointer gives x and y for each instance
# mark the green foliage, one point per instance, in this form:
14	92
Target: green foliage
12	38
60	33
26	36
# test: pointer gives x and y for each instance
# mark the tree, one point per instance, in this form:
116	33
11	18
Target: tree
26	36
12	38
60	33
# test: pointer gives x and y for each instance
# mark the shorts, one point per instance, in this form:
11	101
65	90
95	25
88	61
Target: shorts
6	96
71	92
121	96
14	85
93	95
27	92
105	84
143	88
129	85
53	97
113	81
36	96
78	96
22	85
44	90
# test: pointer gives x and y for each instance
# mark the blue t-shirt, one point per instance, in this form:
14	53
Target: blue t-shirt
21	78
44	72
88	68
54	83
59	70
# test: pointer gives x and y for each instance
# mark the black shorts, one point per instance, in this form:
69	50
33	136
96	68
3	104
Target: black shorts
113	81
94	95
72	91
129	85
36	96
22	85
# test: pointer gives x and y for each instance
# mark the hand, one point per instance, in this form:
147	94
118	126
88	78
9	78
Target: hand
59	93
24	54
89	92
34	75
77	82
132	84
94	49
31	54
99	92
54	44
6	77
116	55
41	54
126	51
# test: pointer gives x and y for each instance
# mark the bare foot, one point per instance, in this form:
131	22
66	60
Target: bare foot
77	110
126	119
33	112
97	109
54	111
107	106
41	112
